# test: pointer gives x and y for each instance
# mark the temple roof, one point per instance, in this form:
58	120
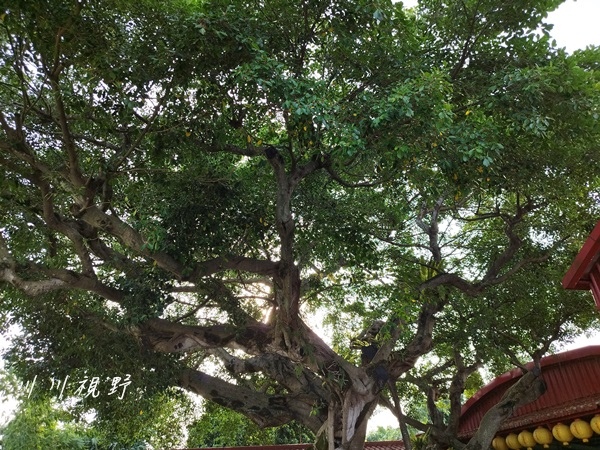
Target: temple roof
584	273
572	392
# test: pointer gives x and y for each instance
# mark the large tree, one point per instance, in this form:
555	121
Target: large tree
189	188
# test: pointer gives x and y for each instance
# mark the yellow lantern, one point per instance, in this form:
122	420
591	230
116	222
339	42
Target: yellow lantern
595	423
526	439
543	436
512	440
562	433
581	430
498	443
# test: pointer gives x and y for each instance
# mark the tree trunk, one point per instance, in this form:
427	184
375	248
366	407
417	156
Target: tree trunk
347	423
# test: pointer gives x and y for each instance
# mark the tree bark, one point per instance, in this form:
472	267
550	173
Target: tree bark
346	424
265	410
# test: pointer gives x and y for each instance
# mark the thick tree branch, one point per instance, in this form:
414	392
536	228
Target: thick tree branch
251	265
131	238
514	242
288	282
432	229
265	410
53	279
457	387
289	374
55	223
171	337
527	389
421	342
32	288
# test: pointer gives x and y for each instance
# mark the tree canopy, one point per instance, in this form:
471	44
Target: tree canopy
296	210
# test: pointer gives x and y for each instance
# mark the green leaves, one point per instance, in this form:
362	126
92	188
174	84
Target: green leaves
39	425
218	427
217	163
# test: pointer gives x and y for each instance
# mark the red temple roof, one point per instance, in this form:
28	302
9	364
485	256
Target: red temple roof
572	392
584	273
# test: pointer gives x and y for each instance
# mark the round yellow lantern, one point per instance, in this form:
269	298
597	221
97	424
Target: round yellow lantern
543	436
581	430
562	433
512	440
526	439
498	443
595	423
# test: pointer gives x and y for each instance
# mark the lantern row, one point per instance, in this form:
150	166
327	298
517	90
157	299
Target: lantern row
579	429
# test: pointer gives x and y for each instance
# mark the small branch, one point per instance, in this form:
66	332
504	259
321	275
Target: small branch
249	151
337	178
75	174
123	154
400	416
97	142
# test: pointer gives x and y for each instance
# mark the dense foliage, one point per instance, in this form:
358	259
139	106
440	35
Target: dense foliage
42	421
220	427
189	187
